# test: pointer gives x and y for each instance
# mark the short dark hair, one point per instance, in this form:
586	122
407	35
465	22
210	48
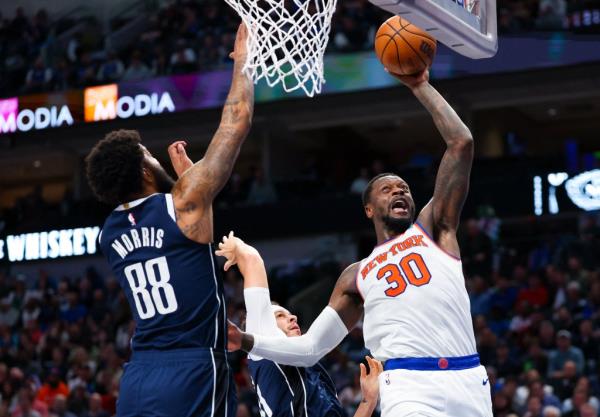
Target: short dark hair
114	166
366	195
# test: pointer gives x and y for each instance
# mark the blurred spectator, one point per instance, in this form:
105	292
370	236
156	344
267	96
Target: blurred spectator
111	70
551	14
24	407
551	411
8	314
85	70
183	59
261	189
137	69
360	183
535	294
59	407
534	407
52	387
95	407
504	363
39	77
564	352
476	250
586	410
480	296
565	380
26	399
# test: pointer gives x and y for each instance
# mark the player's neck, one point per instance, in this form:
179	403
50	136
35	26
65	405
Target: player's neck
385	234
146	192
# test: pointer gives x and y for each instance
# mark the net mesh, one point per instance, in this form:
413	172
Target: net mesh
287	41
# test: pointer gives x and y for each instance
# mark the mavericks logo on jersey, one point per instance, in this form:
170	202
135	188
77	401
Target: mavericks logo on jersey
132	240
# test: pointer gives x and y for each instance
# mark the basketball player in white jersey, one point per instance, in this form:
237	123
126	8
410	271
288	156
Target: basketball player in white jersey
411	290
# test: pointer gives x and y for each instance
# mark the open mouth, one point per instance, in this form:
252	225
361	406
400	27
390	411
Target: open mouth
399	206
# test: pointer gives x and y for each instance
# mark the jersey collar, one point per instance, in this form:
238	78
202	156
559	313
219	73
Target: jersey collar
132	204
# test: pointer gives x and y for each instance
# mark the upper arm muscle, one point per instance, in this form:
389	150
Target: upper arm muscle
345	298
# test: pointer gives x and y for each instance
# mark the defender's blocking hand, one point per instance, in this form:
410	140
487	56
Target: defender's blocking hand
179	159
240	48
229	248
369	383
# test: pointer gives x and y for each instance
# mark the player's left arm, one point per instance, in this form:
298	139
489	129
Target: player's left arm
194	192
369	387
251	265
329	328
441	215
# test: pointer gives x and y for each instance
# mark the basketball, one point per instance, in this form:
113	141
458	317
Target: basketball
404	48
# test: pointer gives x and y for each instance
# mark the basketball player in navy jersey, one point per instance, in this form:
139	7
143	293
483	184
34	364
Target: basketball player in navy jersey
158	243
288	391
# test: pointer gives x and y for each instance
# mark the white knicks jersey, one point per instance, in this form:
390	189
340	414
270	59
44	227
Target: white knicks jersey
416	303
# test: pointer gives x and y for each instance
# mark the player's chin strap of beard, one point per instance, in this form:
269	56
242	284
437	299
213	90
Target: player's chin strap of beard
397	225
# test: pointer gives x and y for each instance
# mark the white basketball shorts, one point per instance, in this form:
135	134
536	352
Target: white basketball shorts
441	393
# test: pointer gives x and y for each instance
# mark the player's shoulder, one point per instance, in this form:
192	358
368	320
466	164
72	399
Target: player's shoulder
352	268
349	273
346	282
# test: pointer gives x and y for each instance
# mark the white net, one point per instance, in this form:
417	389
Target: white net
287	41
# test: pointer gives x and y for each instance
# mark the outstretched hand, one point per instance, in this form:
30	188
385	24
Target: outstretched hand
179	159
414	80
240	48
228	248
369	382
234	337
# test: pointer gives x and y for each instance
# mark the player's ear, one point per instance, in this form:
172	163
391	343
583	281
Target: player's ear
147	174
369	211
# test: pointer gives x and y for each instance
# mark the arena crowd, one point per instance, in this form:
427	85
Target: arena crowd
65	338
197	35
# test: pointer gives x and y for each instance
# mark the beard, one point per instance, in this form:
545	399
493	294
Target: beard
396	225
164	182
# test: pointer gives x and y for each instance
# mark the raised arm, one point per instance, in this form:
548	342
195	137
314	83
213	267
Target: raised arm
441	216
251	265
197	187
259	314
327	331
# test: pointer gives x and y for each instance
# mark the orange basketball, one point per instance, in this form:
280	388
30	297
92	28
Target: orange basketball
403	48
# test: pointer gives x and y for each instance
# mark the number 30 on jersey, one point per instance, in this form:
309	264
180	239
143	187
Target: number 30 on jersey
161	297
412	267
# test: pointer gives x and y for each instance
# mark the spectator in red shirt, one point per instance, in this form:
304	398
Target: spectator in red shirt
535	294
52	387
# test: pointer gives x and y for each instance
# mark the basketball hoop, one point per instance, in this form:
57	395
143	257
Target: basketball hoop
468	27
287	41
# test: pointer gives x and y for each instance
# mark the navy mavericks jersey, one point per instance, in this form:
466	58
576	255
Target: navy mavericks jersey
170	281
290	391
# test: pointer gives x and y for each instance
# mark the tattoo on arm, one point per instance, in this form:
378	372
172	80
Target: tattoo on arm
195	191
452	182
446	120
206	178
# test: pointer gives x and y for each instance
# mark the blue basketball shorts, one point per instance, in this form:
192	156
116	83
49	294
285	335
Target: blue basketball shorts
177	383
